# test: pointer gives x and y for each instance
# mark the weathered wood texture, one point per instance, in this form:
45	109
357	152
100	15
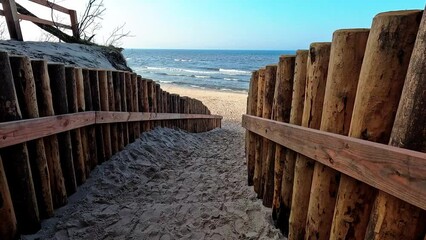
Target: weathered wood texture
281	112
251	143
347	53
382	76
45	107
15	158
27	97
60	105
268	163
8	228
258	140
316	77
76	139
392	218
297	100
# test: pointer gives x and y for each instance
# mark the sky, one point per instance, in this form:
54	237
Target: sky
229	24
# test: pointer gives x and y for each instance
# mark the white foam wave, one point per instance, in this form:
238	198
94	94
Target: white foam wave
231	79
234	71
182	60
165	81
200	76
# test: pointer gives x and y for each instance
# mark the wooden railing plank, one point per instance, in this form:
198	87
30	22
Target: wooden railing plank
399	172
42	21
16	132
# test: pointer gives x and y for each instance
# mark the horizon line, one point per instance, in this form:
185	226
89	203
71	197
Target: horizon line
210	49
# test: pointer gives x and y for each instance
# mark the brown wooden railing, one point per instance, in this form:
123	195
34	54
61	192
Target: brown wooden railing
57	123
13	17
336	135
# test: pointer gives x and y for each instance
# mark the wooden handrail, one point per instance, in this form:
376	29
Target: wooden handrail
51	5
16	132
399	172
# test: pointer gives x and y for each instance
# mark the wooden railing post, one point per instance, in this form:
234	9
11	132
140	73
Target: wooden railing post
74	23
12	20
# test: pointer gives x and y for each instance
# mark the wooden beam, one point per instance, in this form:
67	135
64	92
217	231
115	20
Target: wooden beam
16	132
42	21
12	20
114	117
397	171
12	133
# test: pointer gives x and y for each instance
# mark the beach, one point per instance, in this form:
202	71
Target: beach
170	184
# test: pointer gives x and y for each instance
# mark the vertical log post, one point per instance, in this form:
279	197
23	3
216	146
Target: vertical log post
111	107
60	105
135	104
382	76
281	111
15	158
96	104
347	53
129	102
318	59
91	99
81	107
117	108
145	103
297	100
268	146
251	144
257	182
45	107
104	97
26	92
392	218
8	228
76	139
123	88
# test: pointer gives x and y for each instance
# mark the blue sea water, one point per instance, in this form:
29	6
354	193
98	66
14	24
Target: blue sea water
227	70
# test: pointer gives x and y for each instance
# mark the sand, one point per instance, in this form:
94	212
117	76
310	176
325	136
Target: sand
170	184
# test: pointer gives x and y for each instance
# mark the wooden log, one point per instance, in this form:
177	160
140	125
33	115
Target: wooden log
150	100
124	106
251	143
392	218
135	104
81	107
15	158
281	111
316	77
156	104
76	139
298	98
382	76
45	107
104	100
96	104
268	146
257	182
140	100
91	98
8	228
60	105
27	97
347	53
111	107
145	102
117	107
129	101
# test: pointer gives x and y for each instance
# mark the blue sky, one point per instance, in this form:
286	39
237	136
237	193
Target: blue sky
240	24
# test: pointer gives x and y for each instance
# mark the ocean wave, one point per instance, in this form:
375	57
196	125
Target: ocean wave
182	60
234	71
161	81
196	86
200	76
231	79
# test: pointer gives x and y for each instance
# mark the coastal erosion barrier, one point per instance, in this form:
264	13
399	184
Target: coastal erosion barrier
57	123
336	135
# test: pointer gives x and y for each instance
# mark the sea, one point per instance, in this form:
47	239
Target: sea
224	70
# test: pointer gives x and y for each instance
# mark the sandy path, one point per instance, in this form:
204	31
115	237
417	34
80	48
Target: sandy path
168	184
